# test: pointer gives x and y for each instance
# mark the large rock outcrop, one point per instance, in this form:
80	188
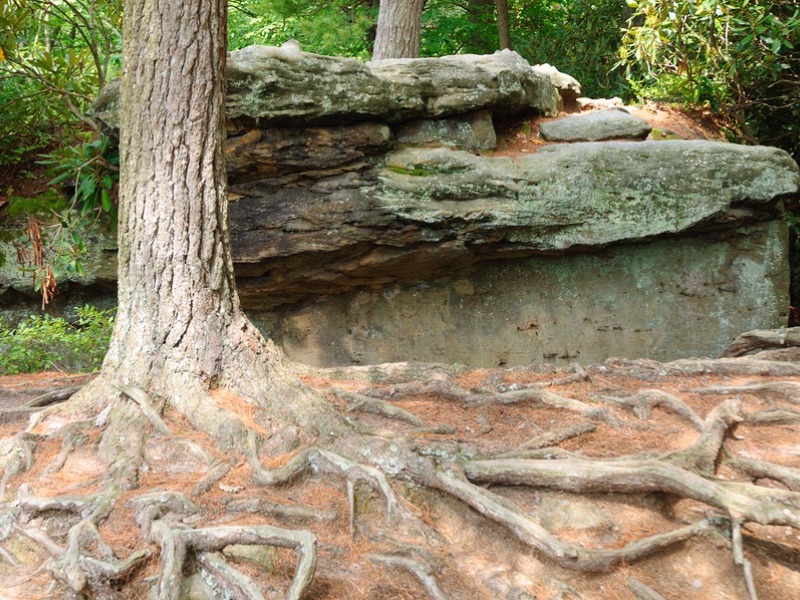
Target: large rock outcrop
370	223
430	212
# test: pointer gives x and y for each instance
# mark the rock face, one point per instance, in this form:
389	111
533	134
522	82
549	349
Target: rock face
662	299
270	86
596	126
366	227
474	131
433	212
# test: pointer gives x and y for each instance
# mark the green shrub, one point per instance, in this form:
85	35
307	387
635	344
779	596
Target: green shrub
44	342
45	204
90	169
739	57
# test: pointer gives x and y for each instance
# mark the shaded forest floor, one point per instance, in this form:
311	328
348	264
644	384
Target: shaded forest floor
471	557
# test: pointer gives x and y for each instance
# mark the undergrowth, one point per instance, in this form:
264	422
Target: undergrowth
44	342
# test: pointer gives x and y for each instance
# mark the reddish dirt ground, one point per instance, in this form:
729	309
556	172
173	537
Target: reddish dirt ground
473	557
472	550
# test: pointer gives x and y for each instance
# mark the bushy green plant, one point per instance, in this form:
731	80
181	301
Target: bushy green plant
43	342
579	37
54	58
739	57
333	28
48	202
90	169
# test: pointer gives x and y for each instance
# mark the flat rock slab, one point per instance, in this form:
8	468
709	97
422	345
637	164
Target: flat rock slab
287	87
434	212
596	126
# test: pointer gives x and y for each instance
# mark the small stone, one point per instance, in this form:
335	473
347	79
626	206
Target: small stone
596	126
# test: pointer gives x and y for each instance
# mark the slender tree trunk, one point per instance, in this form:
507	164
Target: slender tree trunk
481	15
503	26
398	29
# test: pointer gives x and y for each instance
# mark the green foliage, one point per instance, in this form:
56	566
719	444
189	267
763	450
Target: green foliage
48	202
43	342
54	58
579	37
91	169
333	28
737	56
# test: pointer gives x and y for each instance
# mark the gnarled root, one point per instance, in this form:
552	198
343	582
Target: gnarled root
175	544
760	339
324	460
74	565
533	534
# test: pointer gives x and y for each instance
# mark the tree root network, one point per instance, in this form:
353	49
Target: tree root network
136	496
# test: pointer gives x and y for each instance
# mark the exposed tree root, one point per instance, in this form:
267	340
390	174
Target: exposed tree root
52	397
761	505
772	416
143	400
788	390
564	554
280	511
175	543
231	582
759	339
533	395
134	432
642	403
16	456
418	570
650	370
732	366
324	460
762	469
552	438
642	591
359	402
73	565
218	471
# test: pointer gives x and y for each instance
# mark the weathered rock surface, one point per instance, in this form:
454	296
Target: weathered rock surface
474	131
568	87
264	153
595	126
674	297
434	212
360	234
287	87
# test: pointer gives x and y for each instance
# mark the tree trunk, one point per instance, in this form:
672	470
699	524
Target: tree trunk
503	26
177	295
481	15
398	29
180	332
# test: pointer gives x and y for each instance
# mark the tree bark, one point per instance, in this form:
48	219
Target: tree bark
503	24
180	332
398	29
176	293
481	15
